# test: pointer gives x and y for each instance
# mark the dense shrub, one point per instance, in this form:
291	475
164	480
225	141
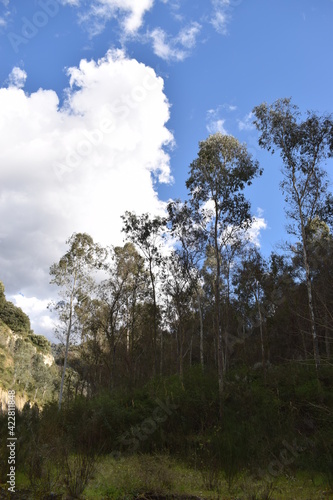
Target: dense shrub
14	317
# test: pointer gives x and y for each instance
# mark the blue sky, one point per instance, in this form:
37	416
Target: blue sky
103	103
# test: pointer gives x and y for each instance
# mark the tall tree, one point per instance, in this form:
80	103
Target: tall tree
185	227
320	248
217	178
304	145
121	293
250	279
179	290
146	233
72	274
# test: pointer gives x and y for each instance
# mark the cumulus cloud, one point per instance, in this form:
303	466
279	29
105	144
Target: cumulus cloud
78	167
175	48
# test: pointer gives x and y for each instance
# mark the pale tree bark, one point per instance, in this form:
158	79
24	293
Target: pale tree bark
304	145
68	335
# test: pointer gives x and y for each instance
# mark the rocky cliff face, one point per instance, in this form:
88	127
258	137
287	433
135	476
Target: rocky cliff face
27	364
20	400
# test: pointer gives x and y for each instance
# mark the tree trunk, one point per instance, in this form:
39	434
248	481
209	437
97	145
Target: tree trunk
65	362
261	331
69	330
201	331
327	336
162	354
310	301
181	367
152	279
191	346
226	323
219	340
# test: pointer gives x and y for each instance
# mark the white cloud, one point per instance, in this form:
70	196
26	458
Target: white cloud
165	49
221	15
260	212
40	317
187	36
130	13
175	48
233	233
252	234
215	123
5	14
217	126
73	3
259	224
220	21
17	77
79	167
246	122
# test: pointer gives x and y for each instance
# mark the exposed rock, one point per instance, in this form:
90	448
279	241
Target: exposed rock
20	400
48	359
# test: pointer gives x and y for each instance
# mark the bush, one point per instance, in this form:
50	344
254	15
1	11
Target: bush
14	317
77	470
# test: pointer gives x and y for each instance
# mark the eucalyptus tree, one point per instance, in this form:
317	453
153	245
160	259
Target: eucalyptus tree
73	275
320	254
121	293
146	233
179	290
305	143
218	177
185	228
249	280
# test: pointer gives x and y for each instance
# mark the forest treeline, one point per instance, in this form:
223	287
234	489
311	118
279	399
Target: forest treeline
186	341
191	288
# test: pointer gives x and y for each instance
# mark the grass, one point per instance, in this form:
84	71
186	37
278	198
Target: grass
132	476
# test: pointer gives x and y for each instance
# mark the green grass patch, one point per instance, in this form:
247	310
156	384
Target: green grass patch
134	476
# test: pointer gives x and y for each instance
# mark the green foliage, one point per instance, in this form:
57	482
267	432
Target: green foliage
14	317
261	420
215	301
40	342
21	363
